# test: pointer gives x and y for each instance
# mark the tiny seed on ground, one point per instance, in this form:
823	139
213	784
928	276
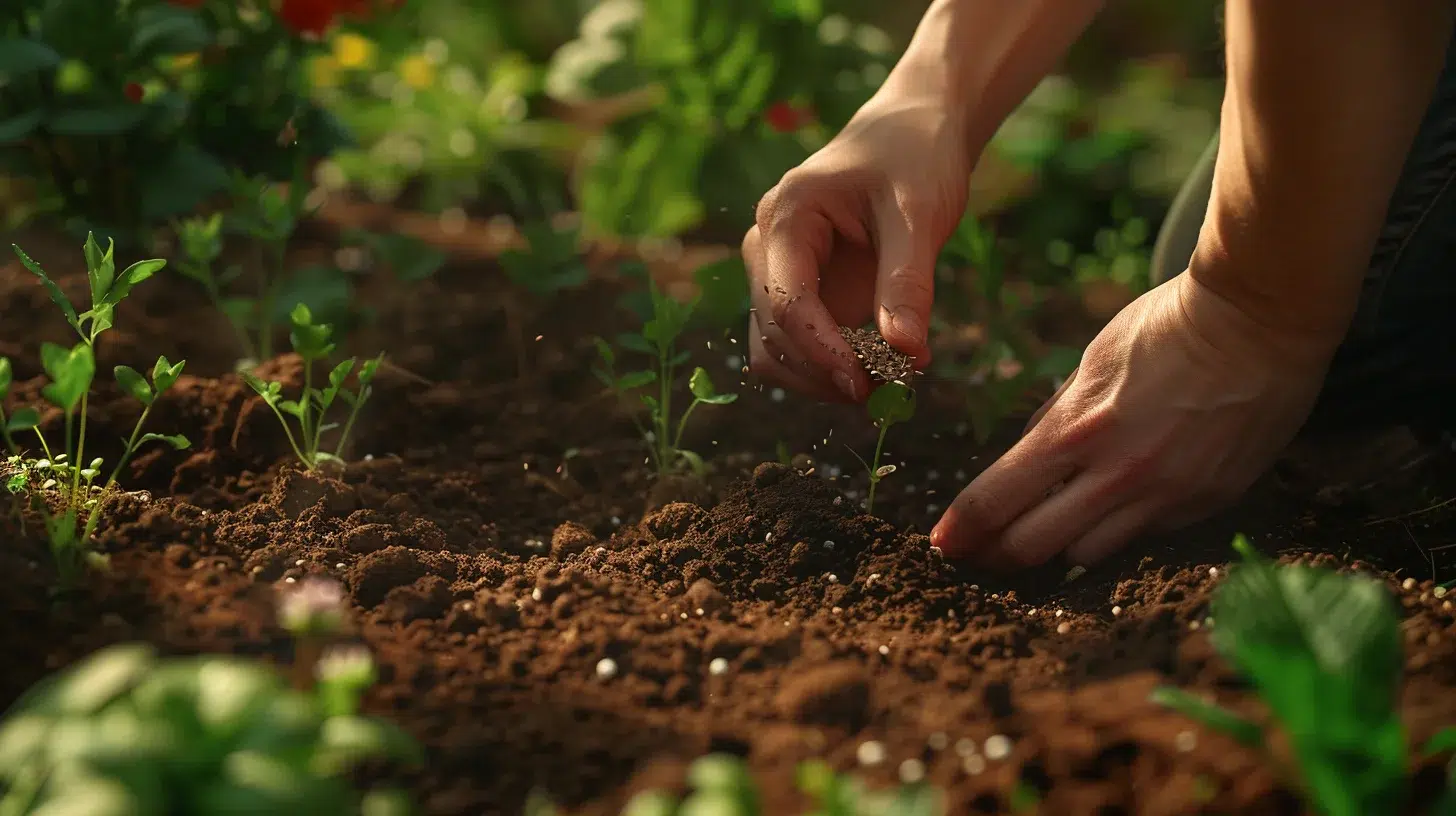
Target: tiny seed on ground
870	752
606	668
998	747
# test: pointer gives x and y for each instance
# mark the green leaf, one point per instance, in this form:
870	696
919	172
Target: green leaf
134	274
19	127
694	461
7	376
1209	714
351	739
19	57
93	683
71	371
269	391
57	296
310	340
1443	741
167	29
165	374
134	384
605	352
702	387
292	408
386	802
890	404
651	803
107	120
635	379
177	441
100	267
368	370
22	420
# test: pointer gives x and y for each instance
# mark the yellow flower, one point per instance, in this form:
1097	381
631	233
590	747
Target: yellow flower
352	51
417	71
182	62
323	72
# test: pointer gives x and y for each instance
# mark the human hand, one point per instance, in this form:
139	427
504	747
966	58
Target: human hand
853	234
1180	403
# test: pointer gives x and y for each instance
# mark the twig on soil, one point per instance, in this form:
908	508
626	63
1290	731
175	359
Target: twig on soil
1413	513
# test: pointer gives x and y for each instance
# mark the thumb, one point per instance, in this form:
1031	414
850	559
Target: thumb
905	284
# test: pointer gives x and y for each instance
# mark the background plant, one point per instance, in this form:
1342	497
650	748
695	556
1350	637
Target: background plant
126	732
890	404
63	491
1323	650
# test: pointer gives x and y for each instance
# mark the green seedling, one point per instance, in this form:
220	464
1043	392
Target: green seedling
890	404
658	341
128	733
552	262
60	488
313	342
721	785
1323	650
200	238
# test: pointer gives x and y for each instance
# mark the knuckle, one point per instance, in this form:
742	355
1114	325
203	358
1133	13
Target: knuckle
911	282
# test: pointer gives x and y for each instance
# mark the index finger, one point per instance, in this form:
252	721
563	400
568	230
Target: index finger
795	247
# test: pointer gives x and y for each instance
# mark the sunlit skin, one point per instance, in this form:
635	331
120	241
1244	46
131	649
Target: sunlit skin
1191	392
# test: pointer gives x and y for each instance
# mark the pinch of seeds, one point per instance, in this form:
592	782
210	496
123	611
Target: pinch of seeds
882	361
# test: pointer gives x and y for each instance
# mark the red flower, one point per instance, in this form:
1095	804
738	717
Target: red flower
133	91
309	16
784	117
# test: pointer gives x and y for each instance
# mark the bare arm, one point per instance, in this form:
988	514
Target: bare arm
1324	99
982	57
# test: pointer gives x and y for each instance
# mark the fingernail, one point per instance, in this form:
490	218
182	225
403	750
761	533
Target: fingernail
907	323
845	384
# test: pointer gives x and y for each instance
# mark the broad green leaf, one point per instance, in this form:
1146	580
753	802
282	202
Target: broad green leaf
368	370
350	739
7	376
651	803
93	683
636	379
341	372
22	420
292	408
134	384
20	57
71	371
177	441
109	120
98	319
100	267
167	29
57	296
165	373
1209	714
309	339
702	387
890	404
719	772
134	274
19	127
694	461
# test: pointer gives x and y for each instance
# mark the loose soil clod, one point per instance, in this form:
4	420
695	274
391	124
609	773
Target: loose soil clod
879	358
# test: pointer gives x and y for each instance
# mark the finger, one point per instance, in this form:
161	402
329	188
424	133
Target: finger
1062	518
1041	412
1002	493
796	242
765	363
1113	533
905	286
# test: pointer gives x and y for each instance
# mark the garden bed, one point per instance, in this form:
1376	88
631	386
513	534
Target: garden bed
495	537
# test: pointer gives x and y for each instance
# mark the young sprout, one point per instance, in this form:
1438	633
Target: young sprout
890	404
658	340
314	342
66	495
201	242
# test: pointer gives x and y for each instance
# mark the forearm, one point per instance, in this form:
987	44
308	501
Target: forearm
1323	101
982	57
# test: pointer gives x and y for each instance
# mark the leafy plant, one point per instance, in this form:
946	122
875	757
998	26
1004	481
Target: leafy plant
1323	650
128	733
313	342
658	341
890	404
63	491
721	785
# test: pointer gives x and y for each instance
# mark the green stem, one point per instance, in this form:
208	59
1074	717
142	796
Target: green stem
875	468
80	450
682	423
349	423
44	446
308	463
305	412
5	434
664	411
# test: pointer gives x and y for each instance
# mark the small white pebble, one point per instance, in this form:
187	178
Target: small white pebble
829	545
870	752
1408	584
973	764
965	746
290	580
601	550
606	668
938	741
536	594
912	771
832	578
1063	628
683	615
1185	741
699	612
874	576
768	538
1116	610
998	746
836	609
339	565
884	650
1193	625
838	500
299	563
718	666
1059	613
1213	572
1439	592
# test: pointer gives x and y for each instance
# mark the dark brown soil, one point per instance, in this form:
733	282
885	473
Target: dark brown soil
491	535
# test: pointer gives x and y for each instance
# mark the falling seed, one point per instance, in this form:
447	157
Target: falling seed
870	752
1185	741
998	747
912	771
778	394
606	668
538	337
938	741
973	764
298	563
718	666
